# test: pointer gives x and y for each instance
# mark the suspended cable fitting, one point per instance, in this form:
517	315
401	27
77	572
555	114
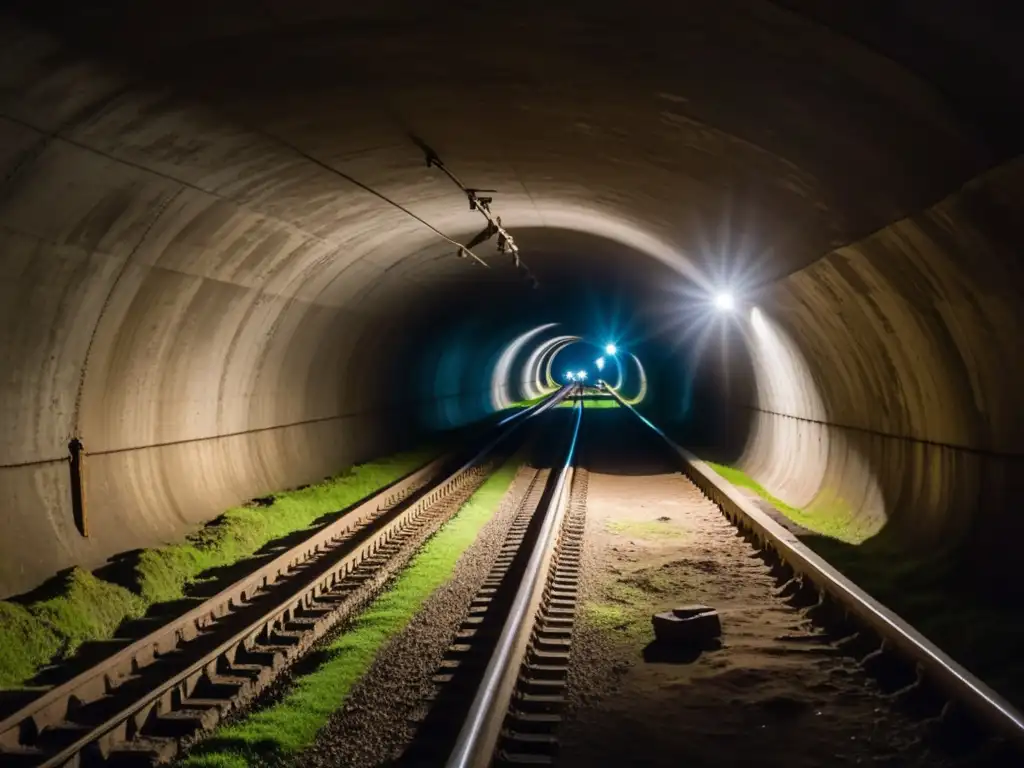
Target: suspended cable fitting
482	204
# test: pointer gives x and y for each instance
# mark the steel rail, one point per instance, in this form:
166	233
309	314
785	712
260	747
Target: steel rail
942	670
478	737
52	707
553	399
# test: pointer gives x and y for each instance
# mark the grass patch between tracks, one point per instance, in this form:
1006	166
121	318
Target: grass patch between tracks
591	402
53	622
622	612
275	735
593	399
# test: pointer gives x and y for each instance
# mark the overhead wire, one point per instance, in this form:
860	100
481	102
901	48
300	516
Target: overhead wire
482	205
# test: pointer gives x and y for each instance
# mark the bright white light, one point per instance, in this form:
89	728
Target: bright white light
610	349
581	375
570	375
599	363
725	302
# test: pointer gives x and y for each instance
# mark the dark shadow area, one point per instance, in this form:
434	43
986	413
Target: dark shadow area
661	652
978	628
695	391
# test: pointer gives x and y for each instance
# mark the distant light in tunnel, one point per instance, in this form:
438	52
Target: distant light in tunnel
724	302
599	363
610	349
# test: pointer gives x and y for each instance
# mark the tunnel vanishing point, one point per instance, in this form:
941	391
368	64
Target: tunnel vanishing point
227	268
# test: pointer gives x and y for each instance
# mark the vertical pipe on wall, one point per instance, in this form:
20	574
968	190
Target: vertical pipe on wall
79	509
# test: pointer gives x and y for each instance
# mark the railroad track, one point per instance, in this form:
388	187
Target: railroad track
501	688
529	732
501	685
912	671
136	706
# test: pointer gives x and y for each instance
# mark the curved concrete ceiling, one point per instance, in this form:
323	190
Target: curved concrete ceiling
221	244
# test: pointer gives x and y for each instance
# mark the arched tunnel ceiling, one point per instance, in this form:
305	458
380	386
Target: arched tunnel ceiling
218	232
699	127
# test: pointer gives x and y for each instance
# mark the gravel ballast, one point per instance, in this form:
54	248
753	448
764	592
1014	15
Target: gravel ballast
381	713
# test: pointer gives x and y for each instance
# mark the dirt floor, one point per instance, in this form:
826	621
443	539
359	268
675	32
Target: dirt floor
774	693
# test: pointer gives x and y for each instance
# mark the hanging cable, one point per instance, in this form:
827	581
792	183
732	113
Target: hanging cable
482	204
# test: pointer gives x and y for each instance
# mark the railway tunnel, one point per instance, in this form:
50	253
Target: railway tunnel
231	263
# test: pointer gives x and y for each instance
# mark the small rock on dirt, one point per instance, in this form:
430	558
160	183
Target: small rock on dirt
687	624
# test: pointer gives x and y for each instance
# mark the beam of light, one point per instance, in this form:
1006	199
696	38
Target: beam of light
619	374
784	385
643	383
502	370
757	323
610	349
790	444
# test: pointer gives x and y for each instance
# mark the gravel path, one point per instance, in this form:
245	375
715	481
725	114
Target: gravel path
774	694
381	714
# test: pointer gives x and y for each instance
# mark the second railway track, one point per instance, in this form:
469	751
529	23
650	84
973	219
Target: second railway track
136	706
501	686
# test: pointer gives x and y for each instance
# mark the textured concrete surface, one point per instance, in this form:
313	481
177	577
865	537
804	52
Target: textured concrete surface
187	285
891	374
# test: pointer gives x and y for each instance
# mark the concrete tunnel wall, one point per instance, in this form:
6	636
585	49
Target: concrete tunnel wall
885	378
189	287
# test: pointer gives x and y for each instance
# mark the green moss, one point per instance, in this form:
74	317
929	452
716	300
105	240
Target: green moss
26	644
528	403
605	615
594	399
240	532
89	608
626	594
83	607
624	610
828	514
652	530
274	735
594	402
